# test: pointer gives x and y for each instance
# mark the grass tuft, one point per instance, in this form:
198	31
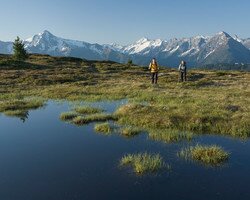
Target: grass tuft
17	104
81	120
183	114
67	116
211	155
143	162
15	113
104	128
168	136
130	131
88	110
20	107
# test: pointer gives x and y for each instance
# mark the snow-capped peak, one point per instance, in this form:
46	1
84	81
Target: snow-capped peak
45	35
197	49
143	46
237	38
223	34
114	46
46	32
142	40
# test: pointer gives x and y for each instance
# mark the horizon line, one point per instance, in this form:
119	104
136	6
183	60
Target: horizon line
141	38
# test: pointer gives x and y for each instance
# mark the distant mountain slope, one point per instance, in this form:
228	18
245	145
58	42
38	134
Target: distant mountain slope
5	47
222	48
199	50
47	43
246	43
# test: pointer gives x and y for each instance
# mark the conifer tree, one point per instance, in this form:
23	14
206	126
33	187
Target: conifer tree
20	53
130	63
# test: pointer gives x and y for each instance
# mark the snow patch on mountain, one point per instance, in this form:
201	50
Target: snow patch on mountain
142	46
246	43
218	48
114	46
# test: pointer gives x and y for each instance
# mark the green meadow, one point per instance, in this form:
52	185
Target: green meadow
210	102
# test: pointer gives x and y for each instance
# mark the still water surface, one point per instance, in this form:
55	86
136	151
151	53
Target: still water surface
47	159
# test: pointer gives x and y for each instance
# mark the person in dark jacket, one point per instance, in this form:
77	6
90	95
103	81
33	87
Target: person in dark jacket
183	71
153	67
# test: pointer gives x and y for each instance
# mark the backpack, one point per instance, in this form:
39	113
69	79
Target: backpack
183	67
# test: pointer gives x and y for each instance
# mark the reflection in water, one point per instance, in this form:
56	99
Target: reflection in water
45	158
25	116
20	107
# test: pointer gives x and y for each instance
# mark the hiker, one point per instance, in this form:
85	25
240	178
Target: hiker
153	67
183	71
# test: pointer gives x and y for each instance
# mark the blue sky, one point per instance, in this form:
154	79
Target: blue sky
123	21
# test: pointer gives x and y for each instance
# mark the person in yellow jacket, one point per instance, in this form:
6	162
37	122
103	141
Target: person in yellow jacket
153	67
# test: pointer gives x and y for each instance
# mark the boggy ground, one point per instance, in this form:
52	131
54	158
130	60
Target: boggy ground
209	102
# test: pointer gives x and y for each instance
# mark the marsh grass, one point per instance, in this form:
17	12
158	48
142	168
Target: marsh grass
143	162
15	113
20	104
169	136
187	115
81	120
130	131
210	155
104	128
68	116
20	107
201	105
86	110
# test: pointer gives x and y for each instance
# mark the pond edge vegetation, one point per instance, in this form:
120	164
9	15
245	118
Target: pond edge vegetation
207	154
142	163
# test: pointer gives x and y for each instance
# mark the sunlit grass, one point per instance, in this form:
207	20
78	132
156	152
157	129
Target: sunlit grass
170	135
215	102
212	155
143	162
15	113
20	107
192	116
88	110
20	104
129	131
81	120
104	128
67	116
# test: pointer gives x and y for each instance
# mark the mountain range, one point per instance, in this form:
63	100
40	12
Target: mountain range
197	51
